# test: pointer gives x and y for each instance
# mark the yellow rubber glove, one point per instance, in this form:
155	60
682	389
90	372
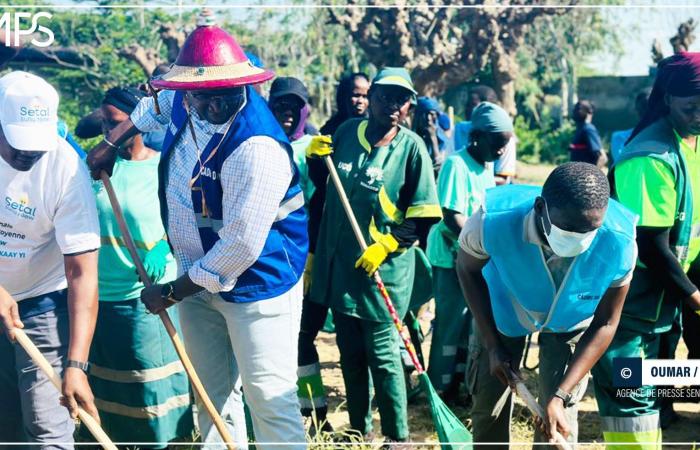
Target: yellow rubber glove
376	253
697	312
319	146
307	273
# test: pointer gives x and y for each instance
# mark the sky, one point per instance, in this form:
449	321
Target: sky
639	26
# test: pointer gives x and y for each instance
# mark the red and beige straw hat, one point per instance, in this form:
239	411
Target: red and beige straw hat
210	58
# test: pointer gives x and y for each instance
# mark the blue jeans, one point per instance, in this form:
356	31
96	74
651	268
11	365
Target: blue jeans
30	410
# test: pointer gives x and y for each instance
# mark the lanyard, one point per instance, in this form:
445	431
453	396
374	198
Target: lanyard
194	138
213	152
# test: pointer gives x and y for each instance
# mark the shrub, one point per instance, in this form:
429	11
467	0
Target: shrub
543	145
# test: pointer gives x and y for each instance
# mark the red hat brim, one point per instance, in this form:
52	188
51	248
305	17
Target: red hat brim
212	77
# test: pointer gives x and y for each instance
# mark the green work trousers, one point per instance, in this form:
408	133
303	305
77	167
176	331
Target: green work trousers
627	418
448	349
364	345
492	401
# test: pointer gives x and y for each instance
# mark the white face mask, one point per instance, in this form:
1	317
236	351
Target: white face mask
567	243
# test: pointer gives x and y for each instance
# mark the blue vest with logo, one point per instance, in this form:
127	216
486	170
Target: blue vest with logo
523	296
281	262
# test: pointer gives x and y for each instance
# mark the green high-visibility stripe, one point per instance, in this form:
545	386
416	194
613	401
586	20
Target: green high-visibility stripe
311	387
620	440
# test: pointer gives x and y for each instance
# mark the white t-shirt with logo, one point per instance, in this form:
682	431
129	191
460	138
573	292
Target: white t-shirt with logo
46	212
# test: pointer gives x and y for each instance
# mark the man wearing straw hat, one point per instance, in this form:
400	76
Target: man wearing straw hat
49	235
234	214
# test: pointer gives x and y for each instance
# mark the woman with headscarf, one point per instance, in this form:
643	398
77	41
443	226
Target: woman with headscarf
656	176
430	123
140	385
351	101
462	185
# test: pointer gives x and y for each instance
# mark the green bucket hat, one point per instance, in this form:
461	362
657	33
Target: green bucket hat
395	76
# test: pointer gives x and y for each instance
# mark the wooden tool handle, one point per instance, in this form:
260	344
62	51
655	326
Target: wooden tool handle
398	322
165	317
535	408
45	366
345	202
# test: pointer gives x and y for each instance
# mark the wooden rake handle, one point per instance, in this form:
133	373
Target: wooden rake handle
167	322
39	359
535	408
398	323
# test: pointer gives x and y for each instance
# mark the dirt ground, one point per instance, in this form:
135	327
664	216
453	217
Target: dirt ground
683	433
680	435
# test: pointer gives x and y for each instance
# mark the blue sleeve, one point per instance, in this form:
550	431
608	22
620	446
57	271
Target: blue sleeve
592	138
78	149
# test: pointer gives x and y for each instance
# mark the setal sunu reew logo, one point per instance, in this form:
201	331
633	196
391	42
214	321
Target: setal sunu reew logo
16	24
21	207
35	113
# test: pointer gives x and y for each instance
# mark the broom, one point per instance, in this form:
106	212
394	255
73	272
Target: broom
167	322
452	434
39	359
535	408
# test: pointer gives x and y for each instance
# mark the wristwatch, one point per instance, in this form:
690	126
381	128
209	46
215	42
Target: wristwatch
84	366
566	397
167	292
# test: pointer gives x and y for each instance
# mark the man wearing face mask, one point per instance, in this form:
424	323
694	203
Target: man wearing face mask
657	175
557	260
234	215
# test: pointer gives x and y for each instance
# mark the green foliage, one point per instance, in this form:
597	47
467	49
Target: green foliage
543	145
97	35
295	42
557	49
302	44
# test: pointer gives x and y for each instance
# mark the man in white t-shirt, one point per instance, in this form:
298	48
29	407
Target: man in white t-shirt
49	236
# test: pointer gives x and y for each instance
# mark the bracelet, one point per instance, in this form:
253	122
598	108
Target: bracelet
84	366
106	141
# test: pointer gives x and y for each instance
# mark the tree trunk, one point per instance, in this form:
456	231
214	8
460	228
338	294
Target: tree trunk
444	47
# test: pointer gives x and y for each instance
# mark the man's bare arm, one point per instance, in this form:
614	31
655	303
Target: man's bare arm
596	338
81	273
103	155
454	220
477	296
501	363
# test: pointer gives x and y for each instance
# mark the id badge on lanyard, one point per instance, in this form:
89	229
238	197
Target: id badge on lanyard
195	181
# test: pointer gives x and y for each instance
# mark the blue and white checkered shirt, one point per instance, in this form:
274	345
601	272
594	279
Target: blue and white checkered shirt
254	179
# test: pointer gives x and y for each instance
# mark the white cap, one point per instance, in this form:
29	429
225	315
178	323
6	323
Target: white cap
28	112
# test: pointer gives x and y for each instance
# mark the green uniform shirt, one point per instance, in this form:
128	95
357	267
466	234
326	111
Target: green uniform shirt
136	186
385	185
647	187
462	185
299	149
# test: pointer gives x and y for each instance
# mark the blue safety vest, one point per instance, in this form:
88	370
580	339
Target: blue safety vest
281	262
523	296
